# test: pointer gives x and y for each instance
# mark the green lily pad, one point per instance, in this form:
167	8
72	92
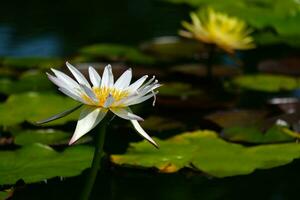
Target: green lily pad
168	48
115	52
200	70
232	118
205	151
253	134
43	136
38	162
29	81
4	195
267	82
33	107
31	62
178	89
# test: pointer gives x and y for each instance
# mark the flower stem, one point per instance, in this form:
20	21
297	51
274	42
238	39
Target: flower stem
210	59
96	164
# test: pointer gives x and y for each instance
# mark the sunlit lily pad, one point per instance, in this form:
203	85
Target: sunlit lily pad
205	151
29	81
267	82
32	62
34	106
38	162
114	52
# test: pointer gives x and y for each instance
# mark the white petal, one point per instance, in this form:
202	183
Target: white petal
78	76
138	100
66	79
88	119
109	100
134	86
125	114
107	77
71	94
143	133
124	80
94	77
147	83
148	89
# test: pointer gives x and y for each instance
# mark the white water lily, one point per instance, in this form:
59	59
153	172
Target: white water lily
104	95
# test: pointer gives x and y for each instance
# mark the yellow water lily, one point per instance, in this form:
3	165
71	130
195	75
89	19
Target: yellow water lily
228	33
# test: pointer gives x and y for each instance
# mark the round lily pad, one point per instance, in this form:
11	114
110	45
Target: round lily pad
205	151
267	82
38	162
33	106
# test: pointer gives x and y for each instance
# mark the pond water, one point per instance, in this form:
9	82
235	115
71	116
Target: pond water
220	137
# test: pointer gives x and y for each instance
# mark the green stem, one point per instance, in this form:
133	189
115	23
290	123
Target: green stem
96	164
210	59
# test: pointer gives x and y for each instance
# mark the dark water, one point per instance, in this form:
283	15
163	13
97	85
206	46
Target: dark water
58	28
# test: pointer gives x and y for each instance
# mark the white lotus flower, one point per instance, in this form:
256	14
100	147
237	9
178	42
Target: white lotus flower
104	95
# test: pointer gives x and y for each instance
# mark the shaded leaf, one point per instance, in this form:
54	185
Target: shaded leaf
32	62
29	81
38	162
253	134
200	70
178	89
234	117
156	123
168	48
114	52
205	151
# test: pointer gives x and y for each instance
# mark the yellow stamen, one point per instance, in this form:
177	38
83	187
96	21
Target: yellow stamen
102	94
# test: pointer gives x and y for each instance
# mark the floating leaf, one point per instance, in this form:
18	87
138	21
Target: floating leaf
234	117
205	151
267	82
38	162
4	195
178	89
43	136
168	48
156	123
116	52
29	81
31	62
200	70
34	106
253	134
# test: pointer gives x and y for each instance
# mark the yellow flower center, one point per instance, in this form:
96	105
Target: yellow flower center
102	94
